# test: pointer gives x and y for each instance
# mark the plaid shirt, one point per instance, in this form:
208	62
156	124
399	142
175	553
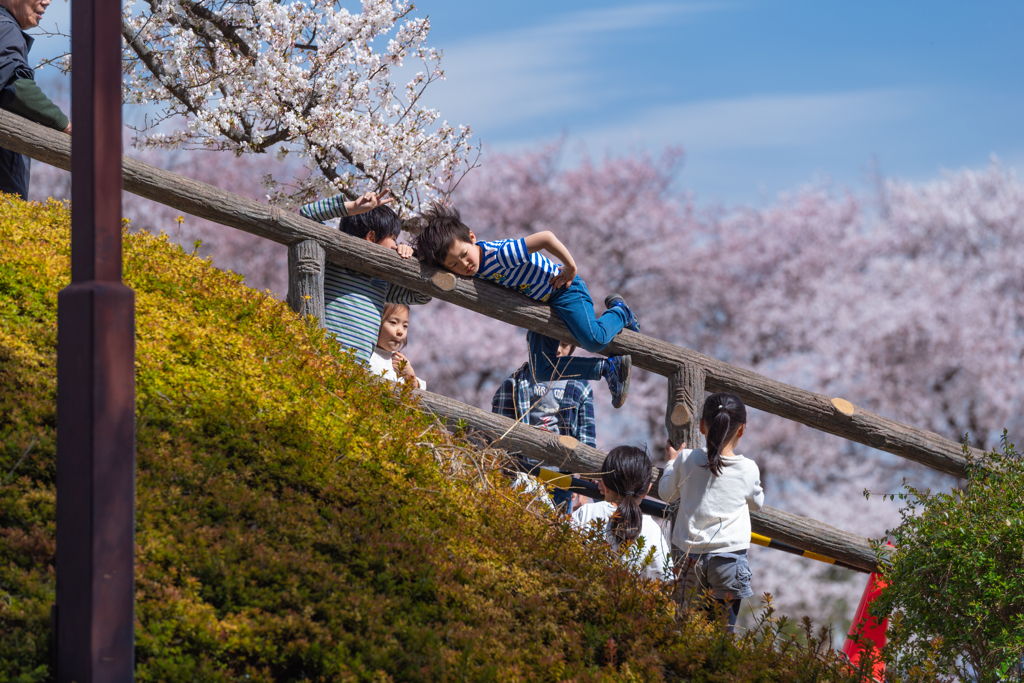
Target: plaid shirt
575	410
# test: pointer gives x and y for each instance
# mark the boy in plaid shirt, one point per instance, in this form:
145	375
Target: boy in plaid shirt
563	406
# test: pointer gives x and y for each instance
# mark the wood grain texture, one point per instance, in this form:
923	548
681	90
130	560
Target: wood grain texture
655	355
306	261
685	402
795	530
843	406
549	448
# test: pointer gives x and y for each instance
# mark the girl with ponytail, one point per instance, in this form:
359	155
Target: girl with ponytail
625	481
716	488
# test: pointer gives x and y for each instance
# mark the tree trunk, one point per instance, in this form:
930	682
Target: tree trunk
685	402
306	260
205	201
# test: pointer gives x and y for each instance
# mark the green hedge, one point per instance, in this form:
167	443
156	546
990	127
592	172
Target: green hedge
294	521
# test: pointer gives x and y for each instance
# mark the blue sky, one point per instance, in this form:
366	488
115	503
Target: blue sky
763	96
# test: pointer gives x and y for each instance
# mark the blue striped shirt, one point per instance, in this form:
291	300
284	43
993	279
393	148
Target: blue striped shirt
510	264
354	303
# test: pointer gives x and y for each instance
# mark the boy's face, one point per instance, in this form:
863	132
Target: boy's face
463	258
387	242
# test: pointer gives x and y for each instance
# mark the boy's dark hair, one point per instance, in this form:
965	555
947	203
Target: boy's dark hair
723	414
442	227
627	472
382	222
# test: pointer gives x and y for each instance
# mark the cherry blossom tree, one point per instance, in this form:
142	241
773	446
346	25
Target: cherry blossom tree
302	78
305	80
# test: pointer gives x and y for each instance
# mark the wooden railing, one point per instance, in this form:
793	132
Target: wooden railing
311	244
569	454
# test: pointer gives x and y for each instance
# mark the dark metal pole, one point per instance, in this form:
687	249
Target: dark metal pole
95	376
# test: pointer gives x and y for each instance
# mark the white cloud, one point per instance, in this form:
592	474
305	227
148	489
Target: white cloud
508	78
760	121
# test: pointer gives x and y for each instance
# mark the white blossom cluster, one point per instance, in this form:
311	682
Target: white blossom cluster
305	78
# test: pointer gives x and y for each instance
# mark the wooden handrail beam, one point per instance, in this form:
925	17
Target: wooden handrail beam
212	203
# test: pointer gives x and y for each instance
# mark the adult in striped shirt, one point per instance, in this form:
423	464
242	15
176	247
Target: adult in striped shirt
446	242
354	303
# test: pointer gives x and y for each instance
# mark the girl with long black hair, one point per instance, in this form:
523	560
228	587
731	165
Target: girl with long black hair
625	480
716	488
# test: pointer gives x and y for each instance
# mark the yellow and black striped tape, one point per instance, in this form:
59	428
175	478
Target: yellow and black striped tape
758	539
553	479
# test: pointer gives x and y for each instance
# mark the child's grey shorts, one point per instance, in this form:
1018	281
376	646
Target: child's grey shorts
727	575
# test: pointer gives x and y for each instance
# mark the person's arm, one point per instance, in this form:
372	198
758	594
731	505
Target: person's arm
586	425
548	242
18	91
504	401
339	207
24	98
397	294
755	501
668	486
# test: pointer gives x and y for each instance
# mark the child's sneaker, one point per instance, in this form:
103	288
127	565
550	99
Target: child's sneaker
616	300
616	373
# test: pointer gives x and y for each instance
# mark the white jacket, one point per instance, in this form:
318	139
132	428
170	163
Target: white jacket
380	365
714	512
661	564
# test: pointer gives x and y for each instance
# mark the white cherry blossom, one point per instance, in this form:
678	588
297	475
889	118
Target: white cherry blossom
305	78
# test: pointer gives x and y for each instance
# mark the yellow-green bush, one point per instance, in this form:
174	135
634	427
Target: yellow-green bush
292	521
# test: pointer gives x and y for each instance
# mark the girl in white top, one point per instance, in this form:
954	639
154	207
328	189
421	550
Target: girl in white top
387	360
716	488
626	480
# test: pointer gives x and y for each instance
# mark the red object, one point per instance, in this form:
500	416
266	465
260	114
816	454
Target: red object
871	630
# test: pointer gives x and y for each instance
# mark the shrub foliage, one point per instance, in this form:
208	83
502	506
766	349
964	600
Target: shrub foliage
956	593
297	519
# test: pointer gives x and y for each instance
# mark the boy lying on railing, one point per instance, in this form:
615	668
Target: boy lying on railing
446	242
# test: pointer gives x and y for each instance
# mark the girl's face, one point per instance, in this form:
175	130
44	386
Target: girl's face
393	330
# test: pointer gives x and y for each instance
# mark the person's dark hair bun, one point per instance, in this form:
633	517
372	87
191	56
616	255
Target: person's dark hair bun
627	472
723	414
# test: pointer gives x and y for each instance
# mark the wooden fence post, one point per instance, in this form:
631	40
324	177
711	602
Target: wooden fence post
306	261
682	420
685	401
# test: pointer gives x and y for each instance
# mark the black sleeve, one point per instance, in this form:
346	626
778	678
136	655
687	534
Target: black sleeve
23	97
13	64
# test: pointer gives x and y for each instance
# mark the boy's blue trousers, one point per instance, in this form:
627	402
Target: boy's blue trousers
576	309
